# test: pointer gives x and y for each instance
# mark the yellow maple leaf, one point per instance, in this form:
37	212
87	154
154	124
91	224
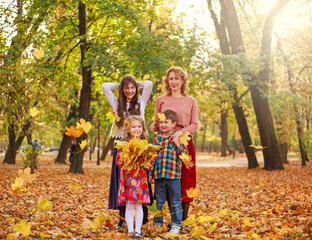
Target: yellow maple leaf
198	231
17	185
10	220
114	127
121	144
246	223
85	126
192	192
224	212
152	208
26	176
38	53
184	138
186	159
72	131
33	112
74	179
109	116
170	235
117	118
38	123
163	212
205	219
213	227
11	236
43	235
44	204
161	116
74	186
146	76
97	222
190	221
259	147
23	227
113	114
254	236
136	154
200	213
83	144
126	122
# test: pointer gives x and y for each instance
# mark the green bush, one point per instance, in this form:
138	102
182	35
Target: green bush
28	150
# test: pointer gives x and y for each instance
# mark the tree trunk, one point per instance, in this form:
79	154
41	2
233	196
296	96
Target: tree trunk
238	111
258	87
14	144
32	164
65	144
103	148
245	136
299	124
204	137
210	144
19	141
284	149
76	163
108	146
85	94
308	117
303	152
224	132
241	148
10	154
271	153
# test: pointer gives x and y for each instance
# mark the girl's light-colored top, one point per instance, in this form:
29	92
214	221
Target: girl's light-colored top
186	109
113	100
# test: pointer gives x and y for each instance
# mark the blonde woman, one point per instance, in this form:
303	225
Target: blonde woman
176	99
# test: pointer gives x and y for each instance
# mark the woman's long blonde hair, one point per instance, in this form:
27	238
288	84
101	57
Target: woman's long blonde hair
182	74
126	132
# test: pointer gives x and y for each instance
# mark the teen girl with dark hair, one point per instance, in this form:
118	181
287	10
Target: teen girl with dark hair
127	103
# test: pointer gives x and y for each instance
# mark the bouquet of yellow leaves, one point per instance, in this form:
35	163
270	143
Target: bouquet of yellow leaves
136	154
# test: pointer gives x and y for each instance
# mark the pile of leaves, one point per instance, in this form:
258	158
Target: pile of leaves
229	203
136	154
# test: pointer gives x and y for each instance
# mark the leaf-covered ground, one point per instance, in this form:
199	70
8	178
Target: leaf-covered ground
234	203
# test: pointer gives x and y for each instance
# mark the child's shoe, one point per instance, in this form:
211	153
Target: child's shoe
137	235
174	229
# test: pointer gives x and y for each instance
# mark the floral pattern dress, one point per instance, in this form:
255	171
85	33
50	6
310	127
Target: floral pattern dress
132	188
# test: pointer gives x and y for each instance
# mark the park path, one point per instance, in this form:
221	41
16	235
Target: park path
236	162
230	162
202	160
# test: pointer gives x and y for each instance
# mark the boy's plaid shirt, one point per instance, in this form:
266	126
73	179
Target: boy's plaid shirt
167	164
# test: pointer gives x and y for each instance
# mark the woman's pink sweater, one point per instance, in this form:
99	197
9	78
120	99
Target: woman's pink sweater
185	107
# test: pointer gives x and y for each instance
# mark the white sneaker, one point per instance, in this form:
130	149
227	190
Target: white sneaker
175	229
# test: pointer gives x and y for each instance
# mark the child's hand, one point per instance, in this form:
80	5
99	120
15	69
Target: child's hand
153	127
150	179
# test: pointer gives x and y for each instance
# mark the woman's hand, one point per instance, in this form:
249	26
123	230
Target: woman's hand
153	127
175	138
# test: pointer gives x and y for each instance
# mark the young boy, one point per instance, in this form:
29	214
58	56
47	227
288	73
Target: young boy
167	171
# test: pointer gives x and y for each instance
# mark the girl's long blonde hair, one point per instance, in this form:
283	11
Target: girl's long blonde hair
126	132
182	74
